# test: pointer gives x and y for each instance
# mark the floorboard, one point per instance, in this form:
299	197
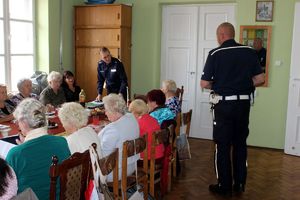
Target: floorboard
272	175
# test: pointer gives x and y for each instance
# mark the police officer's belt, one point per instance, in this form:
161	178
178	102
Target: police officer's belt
215	98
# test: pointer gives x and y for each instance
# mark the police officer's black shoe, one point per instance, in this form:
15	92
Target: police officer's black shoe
217	189
239	188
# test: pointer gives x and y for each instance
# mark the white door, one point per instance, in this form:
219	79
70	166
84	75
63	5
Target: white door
189	33
179	49
292	137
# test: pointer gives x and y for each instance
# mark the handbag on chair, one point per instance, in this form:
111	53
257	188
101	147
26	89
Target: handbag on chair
99	179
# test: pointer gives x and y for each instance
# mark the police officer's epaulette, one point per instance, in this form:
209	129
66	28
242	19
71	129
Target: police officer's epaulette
100	61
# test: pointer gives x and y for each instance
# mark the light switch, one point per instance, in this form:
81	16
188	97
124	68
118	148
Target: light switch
278	63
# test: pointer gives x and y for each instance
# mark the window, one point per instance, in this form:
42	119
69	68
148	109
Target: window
16	41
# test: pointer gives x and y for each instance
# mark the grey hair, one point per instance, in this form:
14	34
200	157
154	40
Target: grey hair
21	82
73	114
114	103
170	85
54	76
32	112
138	107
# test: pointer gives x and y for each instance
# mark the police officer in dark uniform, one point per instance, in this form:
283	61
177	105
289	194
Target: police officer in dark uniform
231	71
111	70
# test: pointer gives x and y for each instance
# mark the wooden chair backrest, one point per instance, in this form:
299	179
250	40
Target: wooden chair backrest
186	120
110	164
74	174
158	137
179	94
178	124
131	148
140	96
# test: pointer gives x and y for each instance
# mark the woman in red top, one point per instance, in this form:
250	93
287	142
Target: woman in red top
147	124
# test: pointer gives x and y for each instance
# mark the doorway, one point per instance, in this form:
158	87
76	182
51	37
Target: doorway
292	134
188	34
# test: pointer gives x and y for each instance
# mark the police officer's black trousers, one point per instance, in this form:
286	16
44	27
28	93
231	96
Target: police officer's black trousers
230	133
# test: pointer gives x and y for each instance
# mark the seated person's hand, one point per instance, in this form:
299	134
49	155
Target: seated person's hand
21	138
99	97
50	108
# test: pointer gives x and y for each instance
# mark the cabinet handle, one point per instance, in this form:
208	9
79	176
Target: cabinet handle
118	37
119	16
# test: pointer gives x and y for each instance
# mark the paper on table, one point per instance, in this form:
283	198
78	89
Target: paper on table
4	148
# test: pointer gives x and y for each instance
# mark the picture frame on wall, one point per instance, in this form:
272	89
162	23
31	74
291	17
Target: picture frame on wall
264	11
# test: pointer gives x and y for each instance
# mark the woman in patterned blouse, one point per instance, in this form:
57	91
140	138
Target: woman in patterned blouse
169	88
25	91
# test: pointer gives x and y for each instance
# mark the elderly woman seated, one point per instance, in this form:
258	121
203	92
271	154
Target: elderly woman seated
172	101
25	91
156	102
31	159
74	119
123	127
6	106
53	94
147	125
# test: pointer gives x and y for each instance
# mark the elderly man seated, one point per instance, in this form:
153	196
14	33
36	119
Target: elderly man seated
31	159
6	106
25	91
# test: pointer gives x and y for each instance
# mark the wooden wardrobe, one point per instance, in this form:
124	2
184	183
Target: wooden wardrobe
96	26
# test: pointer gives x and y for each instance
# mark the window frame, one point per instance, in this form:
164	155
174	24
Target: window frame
7	42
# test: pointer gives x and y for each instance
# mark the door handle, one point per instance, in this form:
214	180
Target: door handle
192	73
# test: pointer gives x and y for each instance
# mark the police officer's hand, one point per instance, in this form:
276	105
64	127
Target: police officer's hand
99	97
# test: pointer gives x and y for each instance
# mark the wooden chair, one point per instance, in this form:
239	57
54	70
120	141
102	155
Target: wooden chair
186	120
173	156
158	137
107	165
74	174
179	94
140	96
131	148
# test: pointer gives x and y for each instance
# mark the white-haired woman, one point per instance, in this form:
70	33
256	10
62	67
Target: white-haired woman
147	124
53	94
74	119
6	106
31	159
123	127
25	91
172	101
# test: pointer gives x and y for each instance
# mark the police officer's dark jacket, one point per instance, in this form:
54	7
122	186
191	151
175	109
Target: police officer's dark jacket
231	67
114	75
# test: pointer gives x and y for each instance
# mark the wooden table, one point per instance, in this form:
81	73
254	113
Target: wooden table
59	130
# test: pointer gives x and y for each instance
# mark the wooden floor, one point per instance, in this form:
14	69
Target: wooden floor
271	175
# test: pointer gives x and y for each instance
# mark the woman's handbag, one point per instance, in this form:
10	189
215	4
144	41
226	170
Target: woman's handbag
183	147
99	179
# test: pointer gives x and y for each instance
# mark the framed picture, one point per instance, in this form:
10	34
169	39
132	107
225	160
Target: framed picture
264	11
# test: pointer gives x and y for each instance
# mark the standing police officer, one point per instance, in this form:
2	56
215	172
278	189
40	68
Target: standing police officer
111	70
232	71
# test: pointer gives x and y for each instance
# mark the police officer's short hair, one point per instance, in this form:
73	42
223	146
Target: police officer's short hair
229	28
104	50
